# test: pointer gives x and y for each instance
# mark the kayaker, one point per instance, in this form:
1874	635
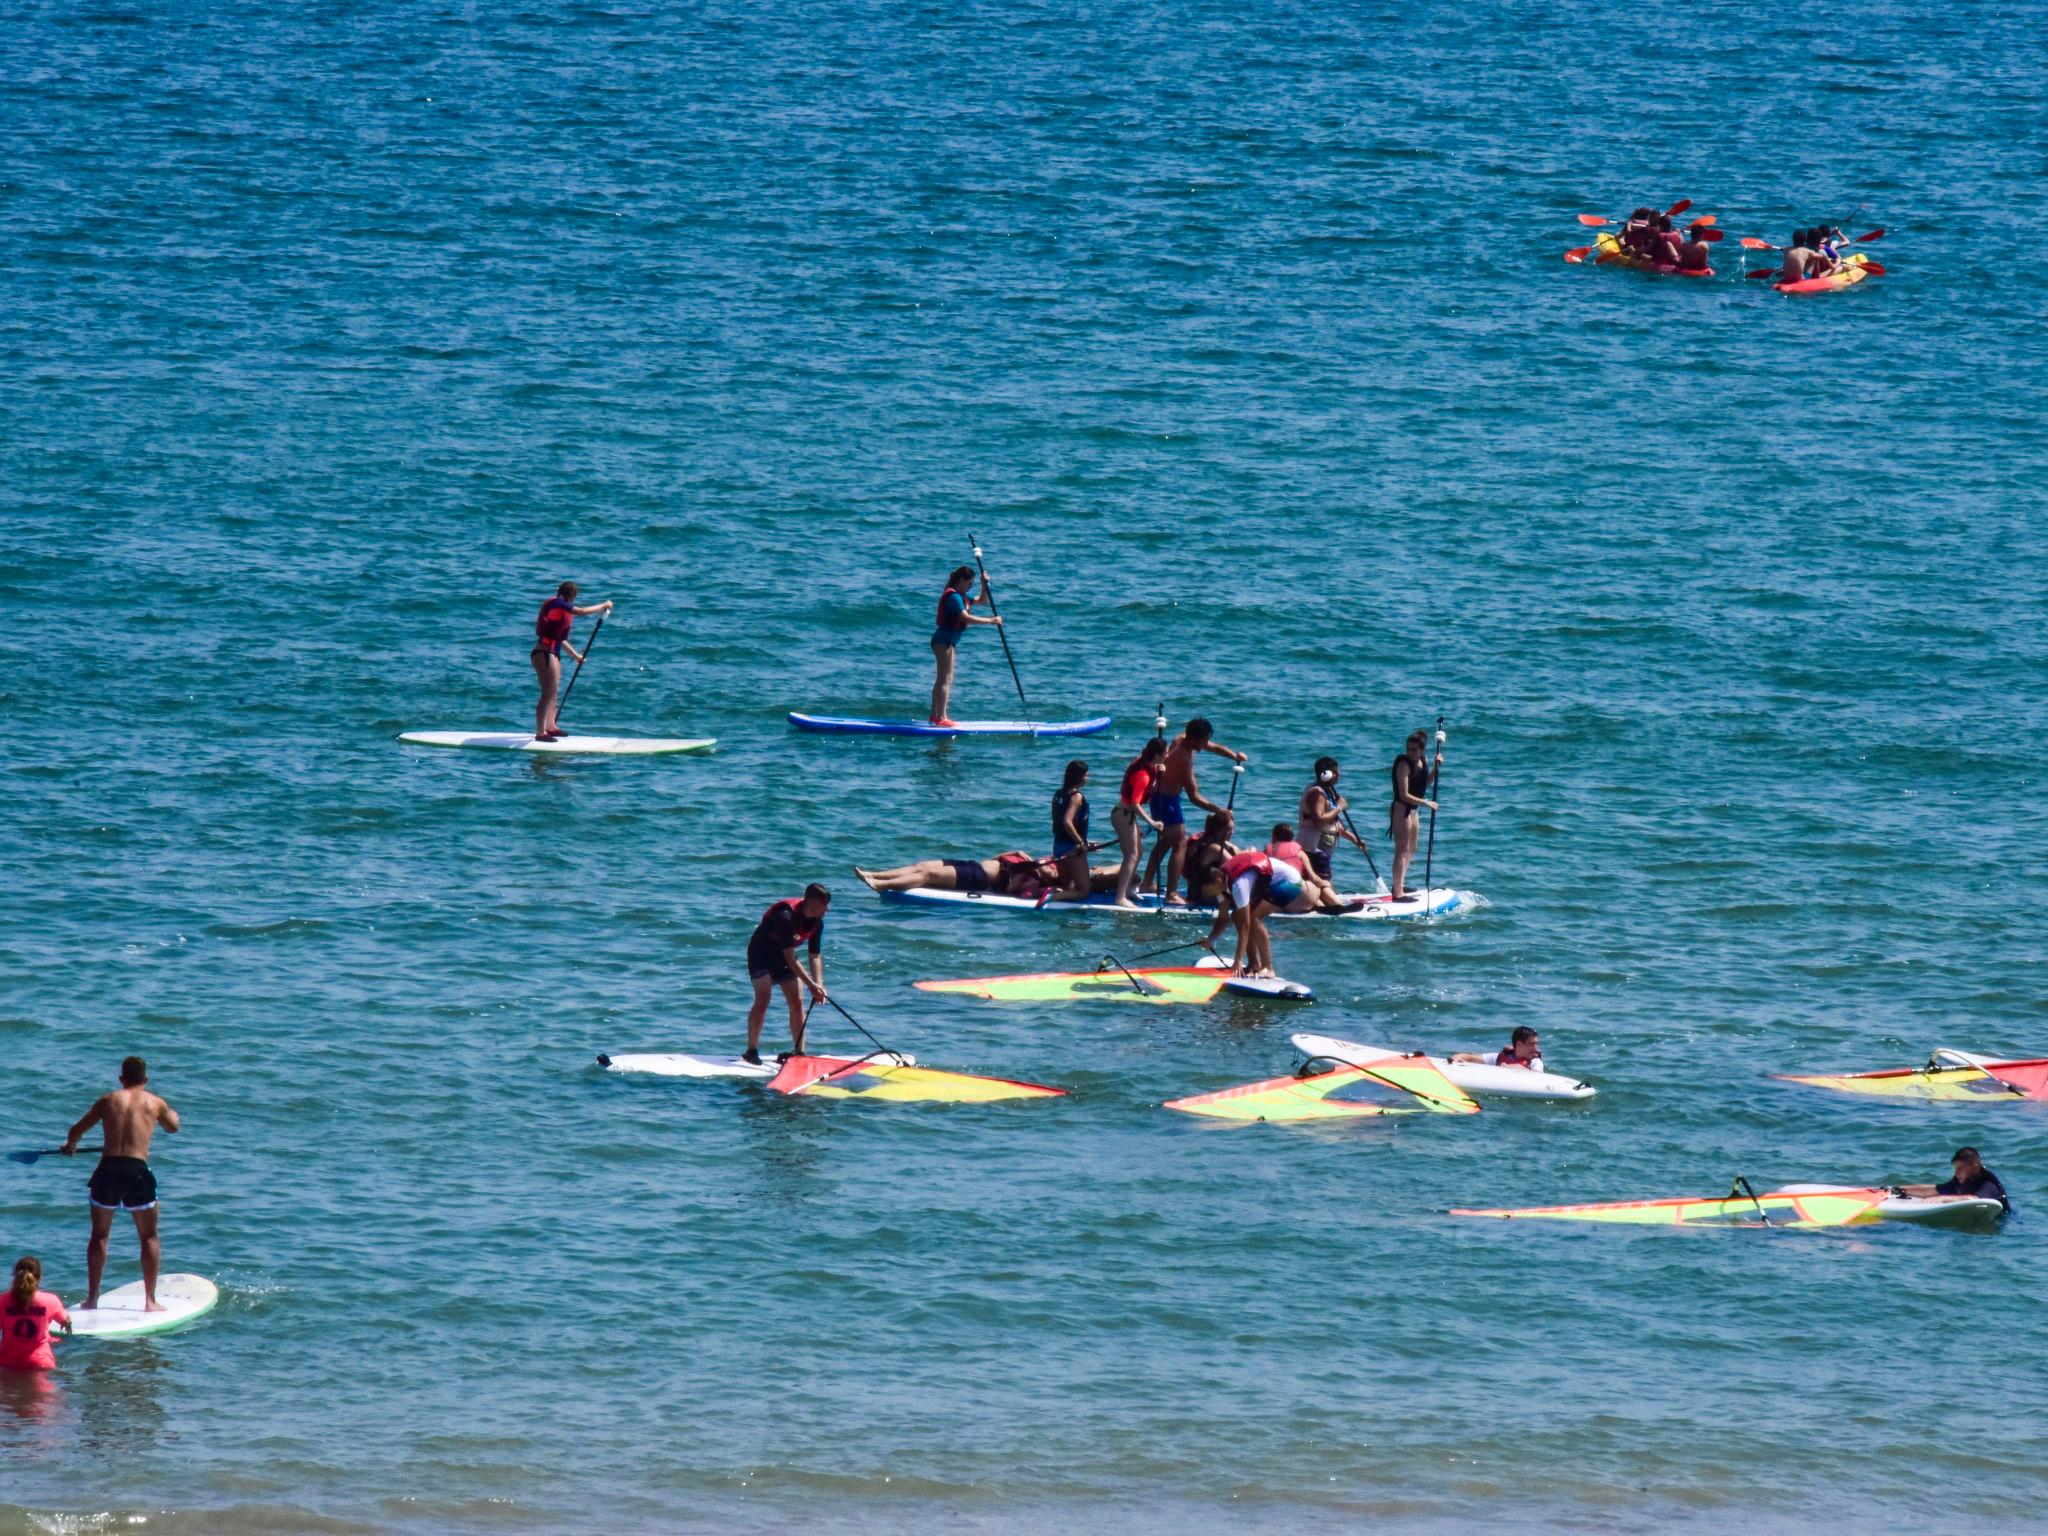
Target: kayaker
956	613
27	1315
558	615
1524	1049
1255	885
1321	819
1205	858
1070	833
1635	231
1133	811
772	962
1665	246
1971	1178
1411	776
1177	778
122	1181
1694	253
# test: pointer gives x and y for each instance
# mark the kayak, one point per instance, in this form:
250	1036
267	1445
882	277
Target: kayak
1358	1089
1198	983
1612	254
1436	902
676	1064
184	1298
893	1079
1948	1075
526	741
861	725
1480	1079
1796	1205
1855	267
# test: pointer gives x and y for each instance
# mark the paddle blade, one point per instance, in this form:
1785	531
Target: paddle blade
1704	220
1873	269
1751	243
1594	221
23	1157
1762	272
1677	208
1578	254
1875	234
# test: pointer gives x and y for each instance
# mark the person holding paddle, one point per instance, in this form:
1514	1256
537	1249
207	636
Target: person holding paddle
558	615
1321	814
1177	778
772	962
122	1180
1411	776
956	613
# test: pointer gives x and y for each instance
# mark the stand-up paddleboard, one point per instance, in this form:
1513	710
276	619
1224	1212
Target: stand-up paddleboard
1480	1079
526	741
861	725
1437	902
675	1064
184	1298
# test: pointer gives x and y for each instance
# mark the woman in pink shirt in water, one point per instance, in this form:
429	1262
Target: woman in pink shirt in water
26	1317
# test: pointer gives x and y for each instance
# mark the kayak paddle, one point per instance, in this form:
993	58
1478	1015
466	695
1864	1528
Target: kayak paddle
579	670
1001	633
1594	221
29	1159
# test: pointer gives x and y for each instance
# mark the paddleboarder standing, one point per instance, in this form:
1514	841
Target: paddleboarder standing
772	962
558	615
956	612
1177	778
1412	773
123	1181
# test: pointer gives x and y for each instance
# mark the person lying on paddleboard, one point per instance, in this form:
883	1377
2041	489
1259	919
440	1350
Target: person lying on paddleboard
772	962
1132	811
122	1181
1972	1178
1205	858
26	1317
1524	1049
1177	778
956	612
1021	875
1321	819
1255	886
1411	793
558	615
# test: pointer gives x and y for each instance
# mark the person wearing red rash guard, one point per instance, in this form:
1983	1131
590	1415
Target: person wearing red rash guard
27	1314
1131	812
558	615
772	962
1255	885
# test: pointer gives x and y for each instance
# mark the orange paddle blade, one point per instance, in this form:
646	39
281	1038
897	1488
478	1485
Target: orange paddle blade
1593	220
1875	234
1706	218
1677	208
1751	243
1579	254
1873	269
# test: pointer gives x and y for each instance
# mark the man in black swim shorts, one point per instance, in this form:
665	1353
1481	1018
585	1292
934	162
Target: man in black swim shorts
123	1181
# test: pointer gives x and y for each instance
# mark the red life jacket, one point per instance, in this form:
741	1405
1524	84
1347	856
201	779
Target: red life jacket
557	618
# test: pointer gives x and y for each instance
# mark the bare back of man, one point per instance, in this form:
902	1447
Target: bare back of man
128	1117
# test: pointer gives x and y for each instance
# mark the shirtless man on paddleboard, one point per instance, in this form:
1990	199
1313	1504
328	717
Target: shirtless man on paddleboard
122	1181
1177	778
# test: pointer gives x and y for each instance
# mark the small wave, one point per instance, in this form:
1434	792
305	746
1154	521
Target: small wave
282	928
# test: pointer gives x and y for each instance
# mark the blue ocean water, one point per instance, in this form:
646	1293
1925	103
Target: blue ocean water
332	339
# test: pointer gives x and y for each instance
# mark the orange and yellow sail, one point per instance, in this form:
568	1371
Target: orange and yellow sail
891	1079
1323	1090
1948	1075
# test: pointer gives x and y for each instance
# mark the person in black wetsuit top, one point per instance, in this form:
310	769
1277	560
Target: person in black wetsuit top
1972	1178
772	962
1070	833
1411	792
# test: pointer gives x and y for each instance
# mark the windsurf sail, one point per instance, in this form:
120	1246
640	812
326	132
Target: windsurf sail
890	1078
1335	1093
1811	1206
1178	985
1950	1075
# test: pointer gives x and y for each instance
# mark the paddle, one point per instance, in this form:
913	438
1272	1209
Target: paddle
1594	221
30	1158
1236	773
1001	633
1435	778
579	670
1362	848
1744	1187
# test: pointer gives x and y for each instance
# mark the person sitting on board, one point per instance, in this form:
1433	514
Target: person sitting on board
1524	1049
1205	858
1972	1178
1070	835
558	615
772	962
1177	778
26	1317
1317	894
1694	253
1132	809
1255	885
1634	232
122	1181
1321	819
956	612
1404	818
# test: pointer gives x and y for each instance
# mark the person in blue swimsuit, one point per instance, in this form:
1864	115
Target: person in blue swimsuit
956	612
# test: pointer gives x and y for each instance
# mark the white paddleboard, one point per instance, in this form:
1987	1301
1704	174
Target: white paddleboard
1921	1210
526	741
1480	1079
1437	902
119	1315
1257	986
676	1064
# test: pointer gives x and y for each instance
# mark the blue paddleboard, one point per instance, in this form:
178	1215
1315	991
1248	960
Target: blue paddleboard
860	725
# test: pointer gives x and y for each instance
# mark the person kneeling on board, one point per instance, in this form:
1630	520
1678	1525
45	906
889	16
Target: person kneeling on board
1972	1178
955	614
26	1317
122	1180
1206	856
1524	1049
772	962
1255	886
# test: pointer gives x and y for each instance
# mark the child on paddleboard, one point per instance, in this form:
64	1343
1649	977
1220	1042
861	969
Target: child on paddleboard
956	612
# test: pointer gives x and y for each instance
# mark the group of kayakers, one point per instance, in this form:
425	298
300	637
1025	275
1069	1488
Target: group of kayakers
1653	237
1813	252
